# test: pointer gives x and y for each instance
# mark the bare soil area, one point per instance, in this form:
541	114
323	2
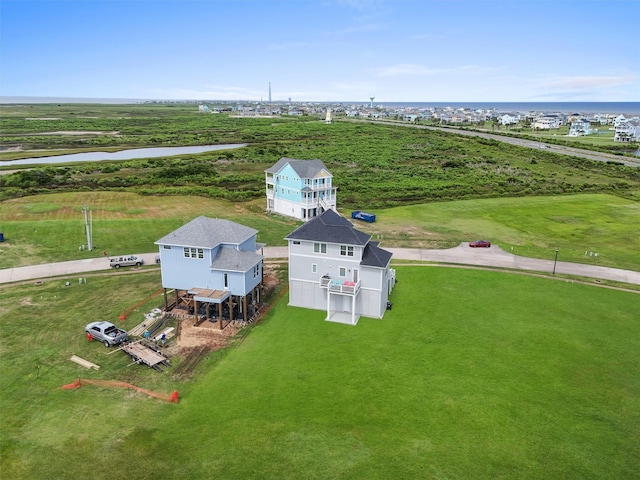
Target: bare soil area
208	334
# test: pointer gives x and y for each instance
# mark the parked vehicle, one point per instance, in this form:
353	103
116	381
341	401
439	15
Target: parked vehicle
480	244
106	332
128	261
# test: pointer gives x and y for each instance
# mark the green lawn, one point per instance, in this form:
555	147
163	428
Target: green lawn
45	228
472	374
578	225
51	228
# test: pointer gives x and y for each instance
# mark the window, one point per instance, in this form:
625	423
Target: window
346	251
314	268
319	248
343	272
296	242
193	252
256	271
166	247
226	280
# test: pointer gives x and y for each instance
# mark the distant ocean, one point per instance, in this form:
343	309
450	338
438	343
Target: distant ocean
626	108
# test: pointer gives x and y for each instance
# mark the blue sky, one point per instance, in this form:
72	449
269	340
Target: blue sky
322	50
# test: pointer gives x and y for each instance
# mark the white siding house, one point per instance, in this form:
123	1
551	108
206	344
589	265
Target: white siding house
301	189
627	131
336	268
579	128
547	122
209	261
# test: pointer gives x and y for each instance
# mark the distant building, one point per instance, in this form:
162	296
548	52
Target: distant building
507	119
203	108
579	128
327	119
547	122
301	189
627	131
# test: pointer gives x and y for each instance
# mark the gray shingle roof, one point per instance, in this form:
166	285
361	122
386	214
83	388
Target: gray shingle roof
207	232
331	228
304	168
233	260
374	256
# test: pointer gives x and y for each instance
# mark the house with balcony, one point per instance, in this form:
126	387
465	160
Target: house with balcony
580	128
547	122
338	269
214	268
301	189
627	131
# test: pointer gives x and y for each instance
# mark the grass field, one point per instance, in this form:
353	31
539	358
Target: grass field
46	228
472	374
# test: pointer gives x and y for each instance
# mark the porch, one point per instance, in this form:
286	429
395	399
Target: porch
342	294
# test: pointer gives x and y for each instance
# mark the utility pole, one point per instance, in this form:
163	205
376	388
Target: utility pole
88	226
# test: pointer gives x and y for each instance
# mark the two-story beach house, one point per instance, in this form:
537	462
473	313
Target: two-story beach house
580	127
336	268
547	122
627	130
301	189
209	261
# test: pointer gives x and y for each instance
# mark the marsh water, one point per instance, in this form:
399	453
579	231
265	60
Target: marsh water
121	155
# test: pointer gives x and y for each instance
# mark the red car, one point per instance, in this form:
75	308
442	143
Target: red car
480	244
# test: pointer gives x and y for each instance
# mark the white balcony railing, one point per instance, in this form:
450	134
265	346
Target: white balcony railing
343	287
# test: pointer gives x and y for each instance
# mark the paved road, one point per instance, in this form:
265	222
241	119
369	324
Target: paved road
461	255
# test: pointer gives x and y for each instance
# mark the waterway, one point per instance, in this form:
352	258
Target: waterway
121	155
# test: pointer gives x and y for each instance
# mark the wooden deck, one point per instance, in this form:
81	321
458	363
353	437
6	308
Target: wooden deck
142	354
205	295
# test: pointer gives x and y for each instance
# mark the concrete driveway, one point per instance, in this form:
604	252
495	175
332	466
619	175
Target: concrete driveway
460	255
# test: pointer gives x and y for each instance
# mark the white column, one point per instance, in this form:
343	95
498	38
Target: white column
328	304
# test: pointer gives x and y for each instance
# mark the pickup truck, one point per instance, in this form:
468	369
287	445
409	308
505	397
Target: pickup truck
106	332
126	261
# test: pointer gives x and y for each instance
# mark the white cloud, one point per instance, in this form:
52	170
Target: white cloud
586	82
404	69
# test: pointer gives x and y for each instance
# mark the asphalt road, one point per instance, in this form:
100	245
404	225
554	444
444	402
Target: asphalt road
460	255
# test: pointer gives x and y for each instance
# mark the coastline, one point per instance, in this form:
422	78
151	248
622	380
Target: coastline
625	108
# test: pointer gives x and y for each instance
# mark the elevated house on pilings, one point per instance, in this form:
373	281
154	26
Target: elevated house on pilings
215	269
301	189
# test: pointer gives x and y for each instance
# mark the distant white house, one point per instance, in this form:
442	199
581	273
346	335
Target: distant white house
301	189
336	268
507	119
618	120
579	128
547	122
210	261
627	131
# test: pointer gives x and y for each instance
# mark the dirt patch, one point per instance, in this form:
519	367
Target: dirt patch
208	334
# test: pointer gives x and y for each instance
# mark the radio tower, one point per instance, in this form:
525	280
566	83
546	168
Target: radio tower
371	98
269	93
